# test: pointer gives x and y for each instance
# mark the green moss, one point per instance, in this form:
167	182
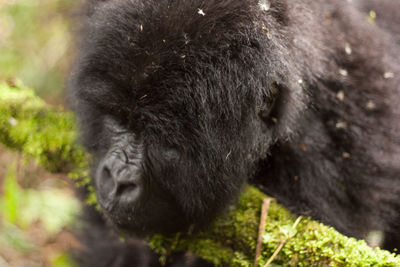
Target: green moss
49	136
231	240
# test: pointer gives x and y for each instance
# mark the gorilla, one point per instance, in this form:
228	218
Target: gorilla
182	102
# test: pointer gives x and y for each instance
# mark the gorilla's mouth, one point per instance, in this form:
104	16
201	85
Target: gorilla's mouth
154	217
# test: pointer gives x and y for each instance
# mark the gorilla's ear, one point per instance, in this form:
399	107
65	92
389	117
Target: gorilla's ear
270	102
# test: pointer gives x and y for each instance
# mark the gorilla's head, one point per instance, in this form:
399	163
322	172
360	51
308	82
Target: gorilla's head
174	102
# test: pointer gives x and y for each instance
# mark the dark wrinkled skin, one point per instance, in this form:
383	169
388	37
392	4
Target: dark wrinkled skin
182	102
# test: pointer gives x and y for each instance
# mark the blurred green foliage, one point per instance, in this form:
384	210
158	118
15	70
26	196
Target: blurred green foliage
35	43
35	47
22	209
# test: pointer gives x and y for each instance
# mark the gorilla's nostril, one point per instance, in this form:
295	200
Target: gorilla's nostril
126	189
128	193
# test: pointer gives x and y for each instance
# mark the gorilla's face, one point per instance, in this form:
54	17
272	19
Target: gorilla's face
169	157
171	115
146	181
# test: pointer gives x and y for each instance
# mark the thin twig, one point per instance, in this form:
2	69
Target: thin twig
264	213
278	249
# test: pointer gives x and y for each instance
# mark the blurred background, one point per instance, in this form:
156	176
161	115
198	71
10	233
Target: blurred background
37	209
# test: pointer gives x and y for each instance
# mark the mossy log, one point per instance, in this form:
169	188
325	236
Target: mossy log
48	135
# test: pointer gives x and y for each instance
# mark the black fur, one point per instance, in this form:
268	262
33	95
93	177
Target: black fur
301	99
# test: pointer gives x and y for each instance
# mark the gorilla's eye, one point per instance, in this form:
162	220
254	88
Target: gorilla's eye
269	102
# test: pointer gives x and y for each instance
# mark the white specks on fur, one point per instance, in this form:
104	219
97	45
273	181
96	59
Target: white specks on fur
343	72
341	125
340	95
264	5
347	49
370	105
266	30
201	12
228	155
141	28
300	81
186	38
346	155
388	75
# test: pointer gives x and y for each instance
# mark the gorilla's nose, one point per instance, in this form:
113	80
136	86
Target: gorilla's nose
119	181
